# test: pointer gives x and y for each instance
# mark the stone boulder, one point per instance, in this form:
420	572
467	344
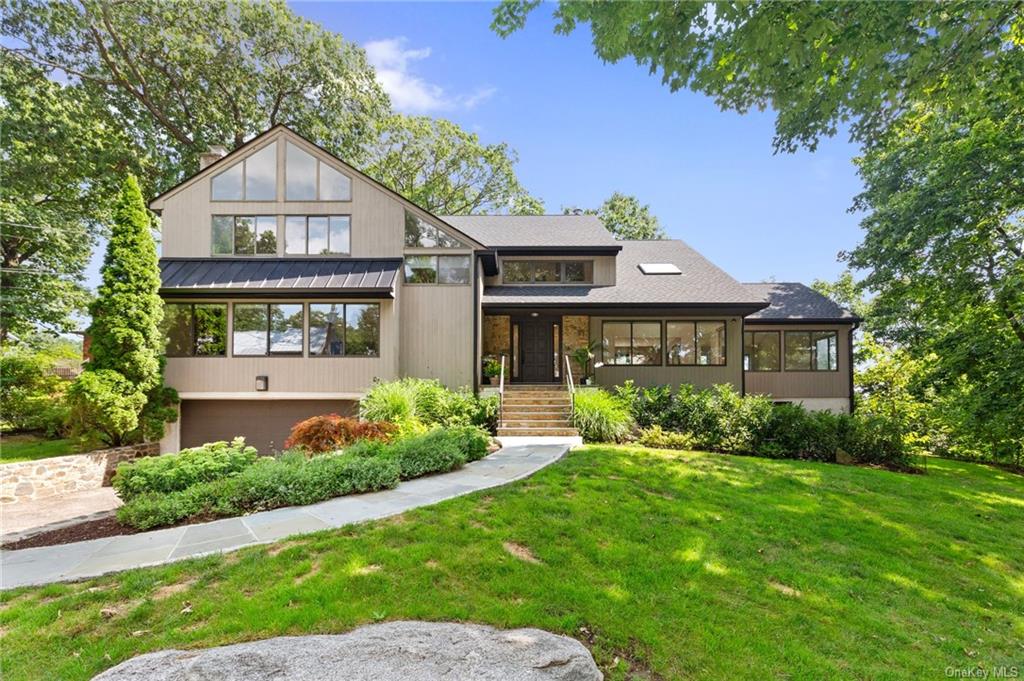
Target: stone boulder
394	651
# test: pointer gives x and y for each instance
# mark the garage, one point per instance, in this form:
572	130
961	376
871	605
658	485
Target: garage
264	424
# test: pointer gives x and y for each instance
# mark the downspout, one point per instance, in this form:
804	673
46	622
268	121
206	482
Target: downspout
853	328
476	324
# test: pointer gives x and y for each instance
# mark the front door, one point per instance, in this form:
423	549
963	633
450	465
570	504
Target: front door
537	343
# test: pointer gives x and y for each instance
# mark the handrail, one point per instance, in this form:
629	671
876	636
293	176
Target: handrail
501	393
572	388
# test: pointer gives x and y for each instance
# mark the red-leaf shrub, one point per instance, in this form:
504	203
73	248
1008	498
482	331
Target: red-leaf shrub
328	432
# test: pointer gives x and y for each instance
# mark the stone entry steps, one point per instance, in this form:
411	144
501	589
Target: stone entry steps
536	411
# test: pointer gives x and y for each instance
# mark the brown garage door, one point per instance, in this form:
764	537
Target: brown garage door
264	424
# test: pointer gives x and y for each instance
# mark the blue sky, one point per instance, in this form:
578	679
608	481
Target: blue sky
584	129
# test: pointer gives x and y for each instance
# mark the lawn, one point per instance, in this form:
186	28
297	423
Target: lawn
31	447
666	564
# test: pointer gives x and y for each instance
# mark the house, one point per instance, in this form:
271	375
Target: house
292	282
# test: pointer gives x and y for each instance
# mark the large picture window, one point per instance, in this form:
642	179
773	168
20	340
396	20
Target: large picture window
244	235
344	330
811	351
438	269
421	234
547	271
195	329
267	329
631	343
317	235
761	351
253	179
695	343
310	179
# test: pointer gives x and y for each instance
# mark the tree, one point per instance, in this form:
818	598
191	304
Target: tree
126	340
58	153
817	64
184	76
106	404
447	169
626	218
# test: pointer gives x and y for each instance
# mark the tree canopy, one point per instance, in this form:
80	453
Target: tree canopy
625	217
447	169
817	64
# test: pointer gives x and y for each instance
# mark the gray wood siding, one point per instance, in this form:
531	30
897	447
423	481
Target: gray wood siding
437	333
795	384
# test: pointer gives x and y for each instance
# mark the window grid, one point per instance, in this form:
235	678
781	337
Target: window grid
267	328
343	222
344	317
723	348
243	180
750	340
810	347
422	270
562	271
260	231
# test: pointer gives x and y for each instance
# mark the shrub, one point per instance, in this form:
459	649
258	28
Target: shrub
876	439
601	417
173	472
269	483
438	451
665	439
330	432
105	404
647	405
415	403
31	394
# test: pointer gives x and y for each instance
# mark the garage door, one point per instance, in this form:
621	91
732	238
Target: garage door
264	424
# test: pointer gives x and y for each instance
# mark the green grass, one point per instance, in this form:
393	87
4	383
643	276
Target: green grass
31	447
667	564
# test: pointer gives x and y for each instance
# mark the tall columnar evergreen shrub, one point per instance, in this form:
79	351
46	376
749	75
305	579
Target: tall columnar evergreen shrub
125	334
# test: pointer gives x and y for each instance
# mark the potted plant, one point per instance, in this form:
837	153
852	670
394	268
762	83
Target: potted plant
492	368
583	356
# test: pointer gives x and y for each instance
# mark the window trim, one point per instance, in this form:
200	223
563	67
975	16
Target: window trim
631	322
345	303
284	229
316	180
192	311
725	341
242	161
437	269
561	273
268	353
778	333
234	222
835	336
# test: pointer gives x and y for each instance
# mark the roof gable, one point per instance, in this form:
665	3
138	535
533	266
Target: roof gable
281	132
793	301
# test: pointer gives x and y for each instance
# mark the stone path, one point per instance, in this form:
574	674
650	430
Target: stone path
111	554
31	517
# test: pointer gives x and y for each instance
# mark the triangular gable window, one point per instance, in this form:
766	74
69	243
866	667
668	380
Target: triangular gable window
252	179
310	179
421	234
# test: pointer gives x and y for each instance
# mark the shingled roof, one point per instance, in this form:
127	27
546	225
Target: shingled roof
792	301
700	282
533	231
261	276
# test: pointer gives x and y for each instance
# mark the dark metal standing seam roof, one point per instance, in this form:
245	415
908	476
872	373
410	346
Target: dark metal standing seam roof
261	276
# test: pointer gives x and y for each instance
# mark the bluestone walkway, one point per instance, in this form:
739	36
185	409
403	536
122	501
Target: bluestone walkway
99	556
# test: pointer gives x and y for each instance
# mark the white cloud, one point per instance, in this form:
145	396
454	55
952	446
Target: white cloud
409	92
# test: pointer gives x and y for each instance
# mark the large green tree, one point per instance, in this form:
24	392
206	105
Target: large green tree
59	151
447	169
126	342
182	76
625	217
817	64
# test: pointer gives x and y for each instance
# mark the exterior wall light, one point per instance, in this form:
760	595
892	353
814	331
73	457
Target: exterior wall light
262	384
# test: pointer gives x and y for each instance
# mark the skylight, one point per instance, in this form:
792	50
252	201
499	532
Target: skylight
659	268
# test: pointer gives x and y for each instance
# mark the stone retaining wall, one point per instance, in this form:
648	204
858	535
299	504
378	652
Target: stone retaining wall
30	480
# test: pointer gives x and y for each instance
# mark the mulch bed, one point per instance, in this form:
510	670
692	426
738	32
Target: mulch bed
90	529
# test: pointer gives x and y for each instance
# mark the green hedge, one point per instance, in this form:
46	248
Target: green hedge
173	472
294	480
720	420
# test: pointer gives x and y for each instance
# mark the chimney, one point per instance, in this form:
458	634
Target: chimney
214	154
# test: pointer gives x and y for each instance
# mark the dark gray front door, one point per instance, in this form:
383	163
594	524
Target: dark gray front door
538	351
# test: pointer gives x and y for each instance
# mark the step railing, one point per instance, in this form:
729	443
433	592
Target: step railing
572	389
501	394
